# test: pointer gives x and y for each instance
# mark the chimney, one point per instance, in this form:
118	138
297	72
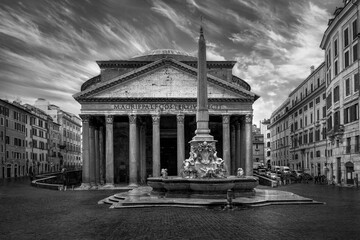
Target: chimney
312	69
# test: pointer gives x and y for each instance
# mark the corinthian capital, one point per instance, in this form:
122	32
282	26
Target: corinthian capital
180	118
226	119
155	119
132	118
85	118
248	118
109	119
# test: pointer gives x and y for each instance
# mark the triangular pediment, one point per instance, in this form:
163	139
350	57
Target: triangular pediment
164	82
166	78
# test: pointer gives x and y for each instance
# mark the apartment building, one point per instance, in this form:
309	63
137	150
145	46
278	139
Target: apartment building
279	135
13	120
258	145
265	131
341	45
70	133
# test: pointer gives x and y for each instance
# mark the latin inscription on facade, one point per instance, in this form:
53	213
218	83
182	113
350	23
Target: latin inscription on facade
163	107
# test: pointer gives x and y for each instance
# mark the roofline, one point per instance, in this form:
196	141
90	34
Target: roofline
307	78
140	63
335	21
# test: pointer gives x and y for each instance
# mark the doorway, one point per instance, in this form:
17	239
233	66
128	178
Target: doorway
168	155
349	172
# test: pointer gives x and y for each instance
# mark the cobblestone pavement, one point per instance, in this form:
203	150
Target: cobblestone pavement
34	213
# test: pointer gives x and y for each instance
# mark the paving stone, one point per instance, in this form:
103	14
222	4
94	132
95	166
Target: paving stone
34	213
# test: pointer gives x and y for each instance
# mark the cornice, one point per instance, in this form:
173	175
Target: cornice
160	100
136	64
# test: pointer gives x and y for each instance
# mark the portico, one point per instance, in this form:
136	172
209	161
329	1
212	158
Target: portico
136	123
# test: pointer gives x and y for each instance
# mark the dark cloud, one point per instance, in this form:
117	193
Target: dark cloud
49	48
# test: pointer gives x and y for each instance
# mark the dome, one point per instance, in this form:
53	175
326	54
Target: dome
156	54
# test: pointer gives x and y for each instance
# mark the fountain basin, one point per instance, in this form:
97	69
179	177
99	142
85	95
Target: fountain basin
203	188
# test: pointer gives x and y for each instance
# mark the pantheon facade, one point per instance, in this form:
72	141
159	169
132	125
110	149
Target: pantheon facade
140	114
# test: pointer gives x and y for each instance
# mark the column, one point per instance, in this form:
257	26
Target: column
97	157
143	153
101	153
132	151
238	145
156	145
109	157
226	142
242	143
85	154
249	145
92	156
180	142
233	150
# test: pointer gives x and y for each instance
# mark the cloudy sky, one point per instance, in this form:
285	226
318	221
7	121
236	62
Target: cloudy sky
49	48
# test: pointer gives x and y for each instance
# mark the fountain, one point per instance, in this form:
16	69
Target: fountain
204	174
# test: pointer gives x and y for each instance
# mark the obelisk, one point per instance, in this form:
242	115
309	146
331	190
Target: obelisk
202	132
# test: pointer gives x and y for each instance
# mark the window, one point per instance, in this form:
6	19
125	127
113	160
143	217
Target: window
317	135
317	100
351	113
311	104
305	108
336	68
356	82
347	87
328	59
317	115
347	59
348	145
329	123
328	101
346	37
354	29
317	153
355	53
336	94
335	48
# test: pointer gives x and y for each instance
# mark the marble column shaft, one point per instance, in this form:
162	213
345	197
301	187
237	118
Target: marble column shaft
233	149
238	145
133	171
180	142
226	142
156	145
85	153
249	146
109	150
97	157
242	144
143	153
92	155
101	153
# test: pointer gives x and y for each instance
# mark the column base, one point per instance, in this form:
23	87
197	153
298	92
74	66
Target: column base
133	185
84	186
108	186
94	186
